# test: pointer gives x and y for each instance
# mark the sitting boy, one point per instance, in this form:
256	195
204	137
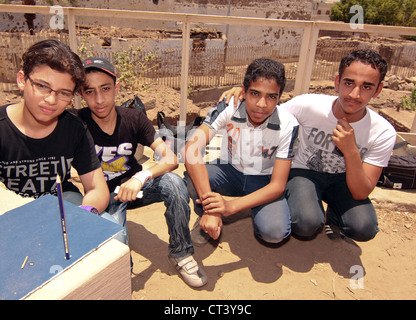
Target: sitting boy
39	139
256	166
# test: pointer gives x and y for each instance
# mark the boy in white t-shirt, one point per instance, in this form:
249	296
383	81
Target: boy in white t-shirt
253	167
343	147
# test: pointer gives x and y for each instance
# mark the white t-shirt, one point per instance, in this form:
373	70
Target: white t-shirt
251	150
375	136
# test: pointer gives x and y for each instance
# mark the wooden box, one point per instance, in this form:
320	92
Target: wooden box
99	267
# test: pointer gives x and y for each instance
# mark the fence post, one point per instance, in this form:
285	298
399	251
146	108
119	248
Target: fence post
413	128
73	45
72	31
186	31
306	59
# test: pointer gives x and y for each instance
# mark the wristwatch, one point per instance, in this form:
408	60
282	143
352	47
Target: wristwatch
90	209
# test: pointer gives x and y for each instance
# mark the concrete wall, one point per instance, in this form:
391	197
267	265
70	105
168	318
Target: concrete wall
272	9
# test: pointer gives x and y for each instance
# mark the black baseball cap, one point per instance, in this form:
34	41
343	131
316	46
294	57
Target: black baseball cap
100	64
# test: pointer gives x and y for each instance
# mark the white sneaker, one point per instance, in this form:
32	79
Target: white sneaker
191	273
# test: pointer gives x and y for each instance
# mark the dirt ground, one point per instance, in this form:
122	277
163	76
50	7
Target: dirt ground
240	267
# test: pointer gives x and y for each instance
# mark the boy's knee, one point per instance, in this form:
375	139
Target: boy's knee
307	226
361	223
173	187
272	233
173	182
273	237
361	232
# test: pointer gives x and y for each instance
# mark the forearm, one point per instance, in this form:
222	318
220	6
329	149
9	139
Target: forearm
270	192
162	168
257	198
199	175
358	182
168	160
97	199
215	204
194	163
96	190
129	190
361	178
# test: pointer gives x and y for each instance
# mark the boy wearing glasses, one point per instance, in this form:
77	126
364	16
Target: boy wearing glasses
39	139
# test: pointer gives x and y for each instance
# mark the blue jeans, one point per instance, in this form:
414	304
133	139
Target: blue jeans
271	221
171	189
305	191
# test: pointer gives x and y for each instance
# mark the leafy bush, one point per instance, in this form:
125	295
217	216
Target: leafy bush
409	103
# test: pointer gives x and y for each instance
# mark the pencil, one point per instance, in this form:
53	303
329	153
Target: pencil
63	221
24	262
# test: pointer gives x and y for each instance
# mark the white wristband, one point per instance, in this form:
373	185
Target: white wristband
139	195
143	176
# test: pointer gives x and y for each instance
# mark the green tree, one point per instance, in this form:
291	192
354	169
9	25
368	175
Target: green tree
408	14
386	12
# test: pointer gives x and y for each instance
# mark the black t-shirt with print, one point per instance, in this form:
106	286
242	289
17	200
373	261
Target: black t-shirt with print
116	152
29	166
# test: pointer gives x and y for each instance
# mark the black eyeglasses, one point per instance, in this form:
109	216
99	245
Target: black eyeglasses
46	91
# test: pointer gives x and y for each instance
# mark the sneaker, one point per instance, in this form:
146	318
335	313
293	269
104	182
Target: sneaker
199	237
333	232
192	274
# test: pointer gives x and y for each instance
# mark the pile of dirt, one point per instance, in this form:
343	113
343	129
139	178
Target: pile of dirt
162	98
116	32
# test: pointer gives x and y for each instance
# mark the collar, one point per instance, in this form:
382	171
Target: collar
272	122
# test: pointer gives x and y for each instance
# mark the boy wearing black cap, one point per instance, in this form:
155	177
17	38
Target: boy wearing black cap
116	132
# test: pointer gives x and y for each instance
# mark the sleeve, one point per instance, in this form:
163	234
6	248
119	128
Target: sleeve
218	117
295	106
288	136
380	153
85	158
150	133
136	126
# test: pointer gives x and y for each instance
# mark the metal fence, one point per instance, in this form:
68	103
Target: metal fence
212	67
400	59
222	66
12	47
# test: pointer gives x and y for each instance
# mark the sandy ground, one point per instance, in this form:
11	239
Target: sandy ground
240	267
